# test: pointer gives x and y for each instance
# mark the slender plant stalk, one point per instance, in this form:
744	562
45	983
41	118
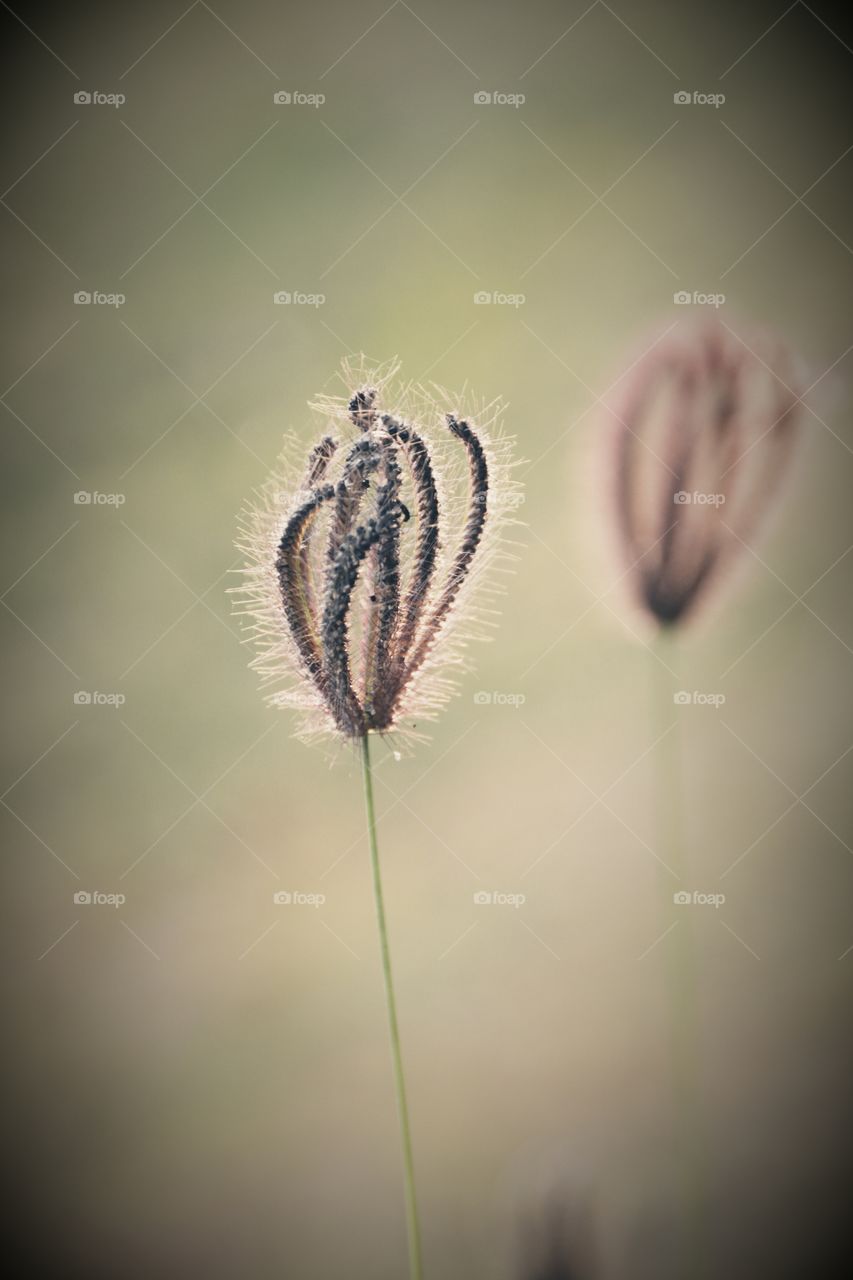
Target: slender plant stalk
679	958
414	1230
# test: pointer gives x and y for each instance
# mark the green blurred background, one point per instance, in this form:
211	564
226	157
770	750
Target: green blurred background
200	1077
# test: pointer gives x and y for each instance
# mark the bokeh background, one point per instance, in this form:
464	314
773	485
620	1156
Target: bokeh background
199	1078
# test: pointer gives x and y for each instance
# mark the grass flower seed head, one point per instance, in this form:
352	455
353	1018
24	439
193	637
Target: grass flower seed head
704	428
373	560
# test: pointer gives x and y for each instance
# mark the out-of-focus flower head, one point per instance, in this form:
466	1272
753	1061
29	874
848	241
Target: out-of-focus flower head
704	427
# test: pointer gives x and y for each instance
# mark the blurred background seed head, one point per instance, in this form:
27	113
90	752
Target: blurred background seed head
704	426
200	1071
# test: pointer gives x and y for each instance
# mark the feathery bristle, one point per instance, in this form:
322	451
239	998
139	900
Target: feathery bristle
294	583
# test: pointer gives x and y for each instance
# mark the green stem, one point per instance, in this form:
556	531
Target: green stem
414	1230
678	945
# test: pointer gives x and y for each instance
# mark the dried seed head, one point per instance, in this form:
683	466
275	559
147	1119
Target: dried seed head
705	424
364	562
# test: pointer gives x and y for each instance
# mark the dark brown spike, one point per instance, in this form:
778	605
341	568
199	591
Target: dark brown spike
318	461
478	470
318	464
341	697
361	461
426	550
361	410
295	592
384	598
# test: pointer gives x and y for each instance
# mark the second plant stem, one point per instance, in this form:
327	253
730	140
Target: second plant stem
412	1221
679	956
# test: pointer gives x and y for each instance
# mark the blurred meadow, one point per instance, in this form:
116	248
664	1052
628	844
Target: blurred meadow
201	1076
